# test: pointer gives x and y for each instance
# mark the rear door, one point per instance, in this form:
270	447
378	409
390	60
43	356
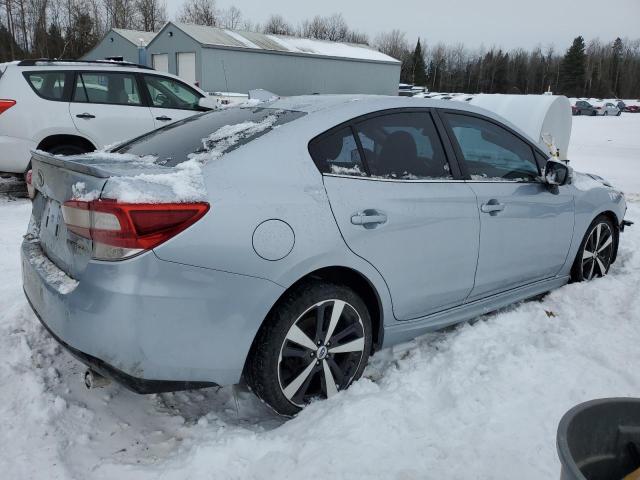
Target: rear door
108	107
526	229
170	99
399	205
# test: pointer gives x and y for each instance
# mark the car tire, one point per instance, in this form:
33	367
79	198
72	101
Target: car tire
597	250
67	149
619	113
606	114
302	352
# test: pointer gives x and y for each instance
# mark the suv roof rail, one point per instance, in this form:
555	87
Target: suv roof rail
35	61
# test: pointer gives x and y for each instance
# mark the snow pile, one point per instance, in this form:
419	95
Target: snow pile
482	400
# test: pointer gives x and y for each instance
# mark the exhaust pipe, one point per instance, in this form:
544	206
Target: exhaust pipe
93	380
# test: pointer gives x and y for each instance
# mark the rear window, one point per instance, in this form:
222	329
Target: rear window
48	85
220	131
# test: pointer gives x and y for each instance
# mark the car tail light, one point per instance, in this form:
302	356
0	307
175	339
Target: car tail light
28	178
122	230
6	105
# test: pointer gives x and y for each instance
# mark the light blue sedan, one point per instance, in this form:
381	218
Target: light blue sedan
321	229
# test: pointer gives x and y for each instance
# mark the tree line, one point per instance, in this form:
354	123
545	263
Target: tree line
71	28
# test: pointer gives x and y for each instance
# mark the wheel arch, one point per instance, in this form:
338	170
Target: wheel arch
344	276
611	215
60	139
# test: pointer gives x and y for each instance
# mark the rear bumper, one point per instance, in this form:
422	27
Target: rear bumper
15	154
150	324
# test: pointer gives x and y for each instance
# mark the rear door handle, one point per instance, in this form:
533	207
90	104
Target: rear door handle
164	118
492	207
86	116
369	218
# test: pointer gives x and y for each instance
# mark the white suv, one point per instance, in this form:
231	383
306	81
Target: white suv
75	107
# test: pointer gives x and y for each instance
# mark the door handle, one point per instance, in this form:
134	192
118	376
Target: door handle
369	218
492	207
164	118
86	116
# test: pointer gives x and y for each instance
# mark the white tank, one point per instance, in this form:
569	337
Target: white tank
545	118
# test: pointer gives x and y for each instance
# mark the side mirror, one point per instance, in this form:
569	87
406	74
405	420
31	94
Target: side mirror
209	103
557	173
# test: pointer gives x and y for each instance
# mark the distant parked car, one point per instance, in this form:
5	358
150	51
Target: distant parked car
325	229
606	108
76	107
582	107
632	108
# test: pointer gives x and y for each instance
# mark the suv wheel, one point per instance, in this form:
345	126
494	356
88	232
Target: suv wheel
316	343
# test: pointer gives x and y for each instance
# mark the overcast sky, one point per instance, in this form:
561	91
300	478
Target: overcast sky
505	23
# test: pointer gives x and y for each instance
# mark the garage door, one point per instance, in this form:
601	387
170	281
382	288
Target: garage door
187	67
160	62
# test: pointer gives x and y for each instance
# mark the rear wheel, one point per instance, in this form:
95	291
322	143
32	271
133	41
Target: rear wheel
596	252
316	343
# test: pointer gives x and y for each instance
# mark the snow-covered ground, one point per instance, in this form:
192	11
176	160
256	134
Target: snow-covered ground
482	400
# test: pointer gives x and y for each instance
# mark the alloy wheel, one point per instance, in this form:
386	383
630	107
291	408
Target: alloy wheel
597	252
321	352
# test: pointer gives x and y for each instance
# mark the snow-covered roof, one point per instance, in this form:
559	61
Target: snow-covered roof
220	37
137	37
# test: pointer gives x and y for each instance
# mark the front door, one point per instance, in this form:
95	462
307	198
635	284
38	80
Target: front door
170	99
399	207
107	107
526	229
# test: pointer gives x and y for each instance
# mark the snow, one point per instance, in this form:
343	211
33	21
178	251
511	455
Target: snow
481	400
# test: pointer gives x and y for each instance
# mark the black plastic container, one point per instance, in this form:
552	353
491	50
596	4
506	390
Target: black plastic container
600	440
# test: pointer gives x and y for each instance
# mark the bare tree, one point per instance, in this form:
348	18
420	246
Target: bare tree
393	43
232	18
277	25
200	12
152	14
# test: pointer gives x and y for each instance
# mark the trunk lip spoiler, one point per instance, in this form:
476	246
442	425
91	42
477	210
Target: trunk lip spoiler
69	164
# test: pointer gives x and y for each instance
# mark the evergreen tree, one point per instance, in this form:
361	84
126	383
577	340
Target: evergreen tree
572	69
616	60
419	68
9	49
55	42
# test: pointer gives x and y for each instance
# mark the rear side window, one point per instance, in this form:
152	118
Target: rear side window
48	85
337	153
403	146
109	88
220	131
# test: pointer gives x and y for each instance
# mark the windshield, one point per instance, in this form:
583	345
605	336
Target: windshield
220	131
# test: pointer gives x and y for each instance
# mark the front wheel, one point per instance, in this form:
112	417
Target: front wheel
315	343
596	252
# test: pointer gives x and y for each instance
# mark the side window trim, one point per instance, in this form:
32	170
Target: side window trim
451	159
460	155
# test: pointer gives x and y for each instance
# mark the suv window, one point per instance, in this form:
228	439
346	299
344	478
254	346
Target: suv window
338	153
110	88
48	85
403	145
168	93
491	152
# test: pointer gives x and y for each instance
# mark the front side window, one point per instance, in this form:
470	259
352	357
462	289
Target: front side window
404	146
491	152
337	153
108	88
48	85
168	93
